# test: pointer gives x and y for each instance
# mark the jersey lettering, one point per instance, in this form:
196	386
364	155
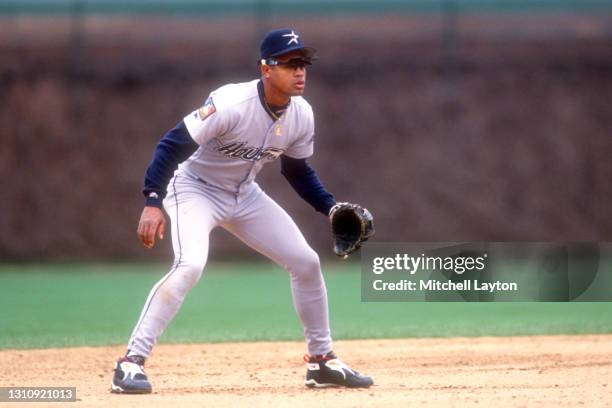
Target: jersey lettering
249	153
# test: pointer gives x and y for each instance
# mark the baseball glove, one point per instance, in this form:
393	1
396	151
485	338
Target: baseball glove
351	225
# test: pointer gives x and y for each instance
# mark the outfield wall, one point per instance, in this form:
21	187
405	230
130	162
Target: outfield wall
477	127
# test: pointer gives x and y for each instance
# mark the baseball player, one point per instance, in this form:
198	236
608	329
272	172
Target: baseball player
203	175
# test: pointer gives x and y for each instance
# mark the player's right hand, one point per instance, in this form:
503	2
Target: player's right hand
152	224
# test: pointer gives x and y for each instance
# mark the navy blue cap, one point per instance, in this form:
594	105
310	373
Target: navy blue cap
282	41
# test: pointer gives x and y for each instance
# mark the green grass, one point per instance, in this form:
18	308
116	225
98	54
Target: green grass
98	304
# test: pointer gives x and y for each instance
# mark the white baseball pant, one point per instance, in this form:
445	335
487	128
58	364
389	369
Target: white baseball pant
195	208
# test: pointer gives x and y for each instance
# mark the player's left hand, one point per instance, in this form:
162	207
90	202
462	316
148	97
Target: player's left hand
152	224
352	225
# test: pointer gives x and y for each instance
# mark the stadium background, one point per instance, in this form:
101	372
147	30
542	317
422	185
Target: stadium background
450	120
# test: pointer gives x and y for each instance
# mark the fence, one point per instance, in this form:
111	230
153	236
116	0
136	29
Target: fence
447	122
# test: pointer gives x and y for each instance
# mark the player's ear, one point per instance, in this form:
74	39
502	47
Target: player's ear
265	69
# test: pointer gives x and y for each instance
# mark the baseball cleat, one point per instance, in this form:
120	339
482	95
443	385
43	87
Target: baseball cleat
328	371
130	377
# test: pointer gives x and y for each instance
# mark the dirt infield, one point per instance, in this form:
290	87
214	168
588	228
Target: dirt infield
517	371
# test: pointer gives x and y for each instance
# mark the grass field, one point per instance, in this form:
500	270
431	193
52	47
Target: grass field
98	304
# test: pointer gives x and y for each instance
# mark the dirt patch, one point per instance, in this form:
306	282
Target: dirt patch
516	371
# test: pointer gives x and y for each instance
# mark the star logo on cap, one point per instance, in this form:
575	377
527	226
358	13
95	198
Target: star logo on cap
294	37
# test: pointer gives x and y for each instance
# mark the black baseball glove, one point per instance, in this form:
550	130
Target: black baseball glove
351	225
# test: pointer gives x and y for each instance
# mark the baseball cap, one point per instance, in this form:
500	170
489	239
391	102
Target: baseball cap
282	41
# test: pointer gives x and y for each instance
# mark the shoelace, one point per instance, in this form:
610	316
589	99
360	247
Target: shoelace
139	361
320	357
136	360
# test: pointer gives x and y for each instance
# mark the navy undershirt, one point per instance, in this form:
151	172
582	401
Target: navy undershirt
177	145
306	183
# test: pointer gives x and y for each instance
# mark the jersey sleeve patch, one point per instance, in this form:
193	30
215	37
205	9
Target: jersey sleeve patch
207	109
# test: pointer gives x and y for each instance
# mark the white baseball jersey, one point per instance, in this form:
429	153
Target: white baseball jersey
237	135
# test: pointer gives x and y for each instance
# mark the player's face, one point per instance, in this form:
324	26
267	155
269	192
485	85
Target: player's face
289	76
